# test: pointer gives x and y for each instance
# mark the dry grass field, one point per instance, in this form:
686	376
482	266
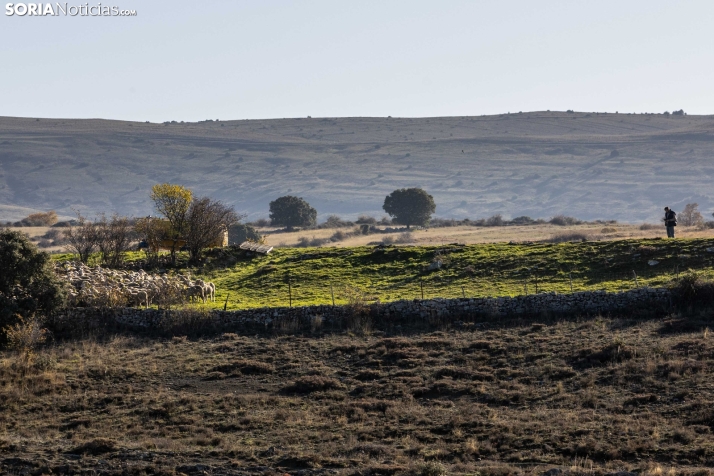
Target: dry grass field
588	165
472	235
589	396
439	236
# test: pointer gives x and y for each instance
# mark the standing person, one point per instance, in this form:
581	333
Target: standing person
670	221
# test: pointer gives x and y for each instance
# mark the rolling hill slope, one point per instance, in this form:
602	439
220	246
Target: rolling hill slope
589	165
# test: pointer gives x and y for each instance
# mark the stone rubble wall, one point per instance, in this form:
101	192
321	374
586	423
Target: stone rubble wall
381	314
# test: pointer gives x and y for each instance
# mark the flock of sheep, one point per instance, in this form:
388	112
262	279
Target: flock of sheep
109	287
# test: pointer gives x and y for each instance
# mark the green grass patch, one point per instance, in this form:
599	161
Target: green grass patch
501	269
401	272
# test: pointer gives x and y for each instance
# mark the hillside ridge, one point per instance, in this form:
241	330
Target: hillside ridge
589	165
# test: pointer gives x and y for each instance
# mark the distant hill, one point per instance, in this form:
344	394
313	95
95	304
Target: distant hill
588	165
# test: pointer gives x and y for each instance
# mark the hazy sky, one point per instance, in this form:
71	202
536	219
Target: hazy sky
181	60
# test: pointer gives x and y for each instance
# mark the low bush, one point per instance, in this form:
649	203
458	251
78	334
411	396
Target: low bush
305	242
334	221
649	226
366	220
566	237
406	237
692	289
563	220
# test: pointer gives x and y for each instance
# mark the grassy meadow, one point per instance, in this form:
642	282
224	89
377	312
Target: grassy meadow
313	275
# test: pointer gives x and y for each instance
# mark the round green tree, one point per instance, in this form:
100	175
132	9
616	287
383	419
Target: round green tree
28	285
410	206
289	211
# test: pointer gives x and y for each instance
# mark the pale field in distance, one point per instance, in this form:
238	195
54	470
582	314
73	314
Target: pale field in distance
445	235
470	234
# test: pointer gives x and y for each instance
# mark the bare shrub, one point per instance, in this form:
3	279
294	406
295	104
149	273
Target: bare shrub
366	220
690	216
443	222
608	229
566	237
357	311
649	226
206	222
692	288
113	238
305	242
54	235
494	220
406	237
562	220
151	231
334	221
339	235
25	336
82	238
388	240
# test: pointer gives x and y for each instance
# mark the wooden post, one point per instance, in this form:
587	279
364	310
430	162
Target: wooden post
570	275
290	292
332	291
536	283
421	282
225	304
463	292
635	275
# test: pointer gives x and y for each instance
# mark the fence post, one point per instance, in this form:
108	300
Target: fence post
570	275
332	291
536	283
463	292
635	275
421	283
225	304
290	292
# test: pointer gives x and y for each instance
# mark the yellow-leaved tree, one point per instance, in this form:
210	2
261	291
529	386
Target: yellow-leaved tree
173	202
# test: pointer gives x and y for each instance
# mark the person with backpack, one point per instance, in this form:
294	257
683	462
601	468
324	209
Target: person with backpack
670	221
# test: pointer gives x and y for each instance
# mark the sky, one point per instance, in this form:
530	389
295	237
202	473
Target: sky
240	59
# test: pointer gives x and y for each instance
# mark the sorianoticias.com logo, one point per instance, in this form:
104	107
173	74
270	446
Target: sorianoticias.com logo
64	9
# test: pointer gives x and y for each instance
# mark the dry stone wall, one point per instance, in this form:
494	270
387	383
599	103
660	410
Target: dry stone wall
381	315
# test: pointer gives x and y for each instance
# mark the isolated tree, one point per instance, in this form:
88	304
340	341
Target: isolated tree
207	221
410	206
114	236
173	202
82	238
690	216
292	211
28	285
